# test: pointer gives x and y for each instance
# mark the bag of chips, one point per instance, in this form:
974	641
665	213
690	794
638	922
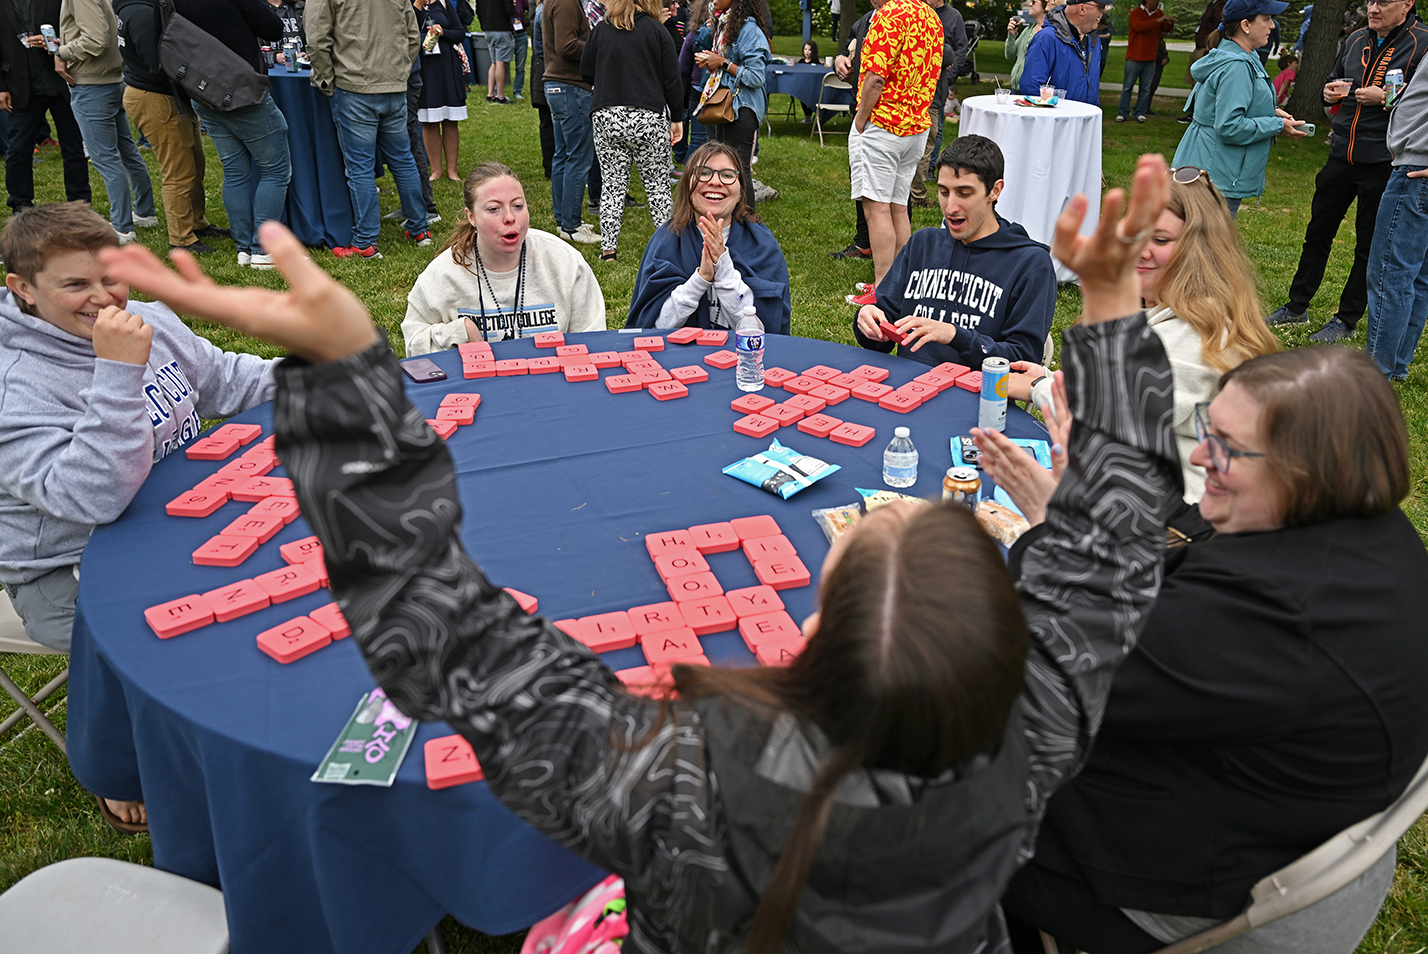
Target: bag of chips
781	470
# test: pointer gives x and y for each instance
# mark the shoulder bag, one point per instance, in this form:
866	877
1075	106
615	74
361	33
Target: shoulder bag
208	71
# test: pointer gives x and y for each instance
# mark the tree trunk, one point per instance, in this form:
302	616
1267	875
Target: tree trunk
1321	50
845	27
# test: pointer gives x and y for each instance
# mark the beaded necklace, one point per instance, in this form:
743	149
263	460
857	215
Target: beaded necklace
517	302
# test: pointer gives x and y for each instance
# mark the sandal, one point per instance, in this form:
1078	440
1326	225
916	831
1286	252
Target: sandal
117	823
608	256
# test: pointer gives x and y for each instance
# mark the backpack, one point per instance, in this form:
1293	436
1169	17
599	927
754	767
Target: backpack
200	65
594	923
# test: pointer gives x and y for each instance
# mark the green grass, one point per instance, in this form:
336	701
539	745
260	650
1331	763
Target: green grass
45	816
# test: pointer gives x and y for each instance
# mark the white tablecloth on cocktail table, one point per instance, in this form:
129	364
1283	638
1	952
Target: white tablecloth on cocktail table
1051	154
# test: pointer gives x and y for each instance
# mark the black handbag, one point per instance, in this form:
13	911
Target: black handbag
200	65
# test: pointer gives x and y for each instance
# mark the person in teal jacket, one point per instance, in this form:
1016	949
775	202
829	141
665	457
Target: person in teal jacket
1234	116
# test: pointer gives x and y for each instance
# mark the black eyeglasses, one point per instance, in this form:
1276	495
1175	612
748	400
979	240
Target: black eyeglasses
1188	174
1220	453
726	176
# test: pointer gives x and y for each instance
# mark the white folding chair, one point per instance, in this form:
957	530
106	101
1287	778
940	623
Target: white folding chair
14	640
830	81
84	905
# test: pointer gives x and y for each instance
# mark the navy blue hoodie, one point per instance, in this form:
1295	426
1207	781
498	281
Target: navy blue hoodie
1000	292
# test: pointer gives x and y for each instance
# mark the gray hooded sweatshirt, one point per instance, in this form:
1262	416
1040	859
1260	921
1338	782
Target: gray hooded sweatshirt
78	434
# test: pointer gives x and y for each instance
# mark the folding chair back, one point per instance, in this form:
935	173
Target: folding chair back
14	640
830	81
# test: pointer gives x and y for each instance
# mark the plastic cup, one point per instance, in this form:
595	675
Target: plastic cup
1048	91
1061	94
1003	97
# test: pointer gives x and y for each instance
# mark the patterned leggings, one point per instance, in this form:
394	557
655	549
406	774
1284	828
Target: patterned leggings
623	134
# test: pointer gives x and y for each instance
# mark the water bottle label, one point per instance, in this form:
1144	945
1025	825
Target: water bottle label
749	342
900	473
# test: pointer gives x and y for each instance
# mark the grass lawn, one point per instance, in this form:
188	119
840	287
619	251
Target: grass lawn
46	817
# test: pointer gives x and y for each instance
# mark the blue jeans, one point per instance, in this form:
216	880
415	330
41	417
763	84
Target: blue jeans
574	151
523	49
367	123
1144	70
1398	273
99	110
251	143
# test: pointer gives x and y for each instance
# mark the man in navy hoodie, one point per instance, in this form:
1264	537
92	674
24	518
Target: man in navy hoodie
977	287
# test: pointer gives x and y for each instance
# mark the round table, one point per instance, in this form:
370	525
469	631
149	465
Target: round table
319	204
560	483
1051	153
803	81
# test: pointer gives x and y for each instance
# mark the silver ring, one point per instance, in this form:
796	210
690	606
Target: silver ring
1136	237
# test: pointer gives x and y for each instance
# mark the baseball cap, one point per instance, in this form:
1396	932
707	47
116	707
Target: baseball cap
1237	10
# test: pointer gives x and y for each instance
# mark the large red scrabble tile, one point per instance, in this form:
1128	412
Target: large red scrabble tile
694	586
300	551
271	440
473	348
222	481
262	452
668	541
830	394
666	669
330	618
528	604
294	639
713	337
460	414
854	435
246	467
760	526
891	331
870	372
768	627
444	429
182	615
822	372
318	566
671	645
654	618
819	425
807	403
711	615
285	508
721	359
628	358
784	413
971	381
751	403
655	375
511	366
937	380
754	600
545	365
871	391
636	367
478	369
952	368
582	372
679	564
923	392
462	399
570	627
714	538
255	489
775	377
756	425
264	528
288	583
647	680
606	632
667	390
779	652
650	343
211	448
450	761
768	548
564	350
683	336
847	381
245	433
689	374
548	339
899	402
196	503
620	383
801	384
605	359
782	573
236	599
225	551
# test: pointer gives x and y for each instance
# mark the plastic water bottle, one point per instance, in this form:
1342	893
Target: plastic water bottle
749	342
900	460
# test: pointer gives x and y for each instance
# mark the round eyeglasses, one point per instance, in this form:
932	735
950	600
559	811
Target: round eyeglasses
1221	454
726	176
1188	174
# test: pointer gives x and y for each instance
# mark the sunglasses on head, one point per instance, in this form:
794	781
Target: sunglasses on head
1188	174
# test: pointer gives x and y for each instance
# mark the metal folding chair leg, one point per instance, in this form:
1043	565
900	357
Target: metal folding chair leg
29	707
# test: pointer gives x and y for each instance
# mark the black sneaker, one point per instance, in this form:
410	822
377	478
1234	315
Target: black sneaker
197	248
1335	329
213	231
1183	120
852	251
1284	315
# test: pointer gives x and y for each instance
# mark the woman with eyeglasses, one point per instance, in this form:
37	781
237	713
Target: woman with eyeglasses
1233	116
1198	290
714	257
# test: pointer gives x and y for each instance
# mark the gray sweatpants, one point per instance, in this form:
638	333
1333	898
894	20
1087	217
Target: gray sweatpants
46	606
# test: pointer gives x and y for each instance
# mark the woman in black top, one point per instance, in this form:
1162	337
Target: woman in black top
442	101
637	110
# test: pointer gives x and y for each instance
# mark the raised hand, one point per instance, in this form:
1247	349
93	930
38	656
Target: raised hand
1026	482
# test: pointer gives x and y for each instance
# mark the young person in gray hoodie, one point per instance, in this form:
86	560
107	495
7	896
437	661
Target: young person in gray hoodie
94	389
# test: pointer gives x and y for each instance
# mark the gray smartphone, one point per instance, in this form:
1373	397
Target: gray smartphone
1308	129
422	370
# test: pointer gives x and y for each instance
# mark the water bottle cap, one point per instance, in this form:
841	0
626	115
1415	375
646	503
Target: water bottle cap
901	432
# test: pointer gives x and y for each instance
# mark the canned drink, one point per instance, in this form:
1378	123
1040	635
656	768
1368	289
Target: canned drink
290	52
1393	84
962	485
992	412
268	57
51	40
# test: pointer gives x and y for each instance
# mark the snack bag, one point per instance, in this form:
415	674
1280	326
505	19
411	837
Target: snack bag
781	470
873	499
836	521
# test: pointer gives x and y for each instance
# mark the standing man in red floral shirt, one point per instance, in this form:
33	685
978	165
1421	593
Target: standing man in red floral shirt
901	61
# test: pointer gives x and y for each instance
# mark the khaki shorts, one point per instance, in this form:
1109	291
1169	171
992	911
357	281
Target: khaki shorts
881	164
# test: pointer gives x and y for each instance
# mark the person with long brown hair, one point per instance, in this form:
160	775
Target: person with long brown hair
878	792
497	279
735	50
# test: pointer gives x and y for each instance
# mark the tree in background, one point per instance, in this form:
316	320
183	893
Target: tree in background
1321	49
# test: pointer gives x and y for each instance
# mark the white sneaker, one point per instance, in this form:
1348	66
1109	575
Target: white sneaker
585	235
125	237
146	221
432	218
260	261
244	259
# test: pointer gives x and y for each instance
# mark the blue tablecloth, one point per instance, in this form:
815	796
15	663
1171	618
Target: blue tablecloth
319	207
802	81
560	483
